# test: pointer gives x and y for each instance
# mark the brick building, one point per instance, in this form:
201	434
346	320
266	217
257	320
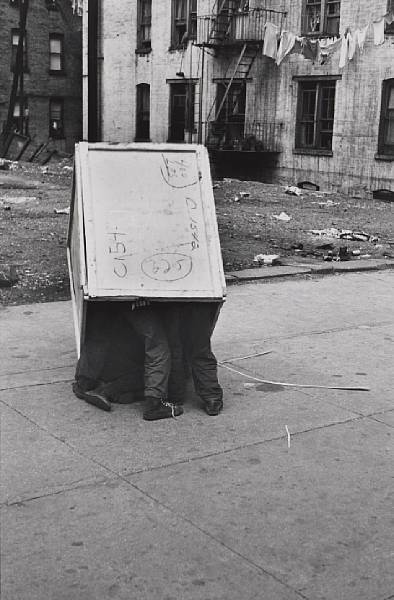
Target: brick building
208	71
50	108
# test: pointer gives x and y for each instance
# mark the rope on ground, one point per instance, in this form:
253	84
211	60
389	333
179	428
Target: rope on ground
300	385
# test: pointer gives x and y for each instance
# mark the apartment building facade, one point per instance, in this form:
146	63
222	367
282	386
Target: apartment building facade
321	111
47	109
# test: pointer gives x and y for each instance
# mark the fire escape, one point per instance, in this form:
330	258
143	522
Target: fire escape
234	35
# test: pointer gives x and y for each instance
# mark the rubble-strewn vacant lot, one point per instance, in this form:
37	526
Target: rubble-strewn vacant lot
34	235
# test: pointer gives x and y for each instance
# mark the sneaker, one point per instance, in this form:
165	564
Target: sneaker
159	409
213	407
95	397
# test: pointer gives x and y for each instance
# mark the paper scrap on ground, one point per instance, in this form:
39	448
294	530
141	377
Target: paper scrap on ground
282	217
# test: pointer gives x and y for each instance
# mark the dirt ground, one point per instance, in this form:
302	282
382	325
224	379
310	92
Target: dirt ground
34	236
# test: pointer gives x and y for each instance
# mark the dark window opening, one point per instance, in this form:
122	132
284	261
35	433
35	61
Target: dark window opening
184	22
56	118
181	111
230	121
321	17
56	53
386	131
143	113
14	49
20	117
315	121
144	24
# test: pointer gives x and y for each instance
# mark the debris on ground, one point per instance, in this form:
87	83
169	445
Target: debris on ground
266	259
293	190
282	217
62	211
345	234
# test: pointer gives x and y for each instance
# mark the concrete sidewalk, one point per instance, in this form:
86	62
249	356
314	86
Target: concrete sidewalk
99	506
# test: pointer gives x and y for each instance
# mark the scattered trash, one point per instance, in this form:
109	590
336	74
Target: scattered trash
62	211
288	436
266	259
293	190
4	164
44	169
236	199
7	207
67	168
345	234
328	203
308	185
18	199
282	217
230	360
244	194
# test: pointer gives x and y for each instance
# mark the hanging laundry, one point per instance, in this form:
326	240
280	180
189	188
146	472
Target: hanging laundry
286	45
351	46
360	37
344	51
271	34
327	47
378	31
309	49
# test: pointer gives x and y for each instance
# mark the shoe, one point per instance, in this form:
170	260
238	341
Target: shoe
159	409
213	407
95	397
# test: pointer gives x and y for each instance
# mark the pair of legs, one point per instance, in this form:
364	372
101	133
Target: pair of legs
143	352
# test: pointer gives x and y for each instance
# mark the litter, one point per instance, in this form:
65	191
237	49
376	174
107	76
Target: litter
300	385
328	203
266	259
62	211
293	190
282	217
288	436
345	234
244	194
230	360
17	199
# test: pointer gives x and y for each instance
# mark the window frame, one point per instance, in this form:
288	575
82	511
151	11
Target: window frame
56	133
321	83
324	19
144	21
21	103
15	31
142	88
385	149
188	22
389	27
57	37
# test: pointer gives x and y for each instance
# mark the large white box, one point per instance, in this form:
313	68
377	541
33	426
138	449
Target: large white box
142	225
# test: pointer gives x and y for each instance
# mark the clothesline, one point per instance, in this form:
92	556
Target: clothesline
322	49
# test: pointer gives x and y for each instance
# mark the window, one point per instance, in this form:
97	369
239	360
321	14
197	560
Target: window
390	17
184	22
56	54
56	117
182	98
144	24
142	133
321	17
19	124
386	133
14	49
315	119
230	122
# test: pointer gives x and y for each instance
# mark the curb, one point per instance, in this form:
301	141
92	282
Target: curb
291	270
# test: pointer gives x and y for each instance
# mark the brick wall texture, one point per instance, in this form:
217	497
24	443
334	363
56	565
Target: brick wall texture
272	91
39	85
